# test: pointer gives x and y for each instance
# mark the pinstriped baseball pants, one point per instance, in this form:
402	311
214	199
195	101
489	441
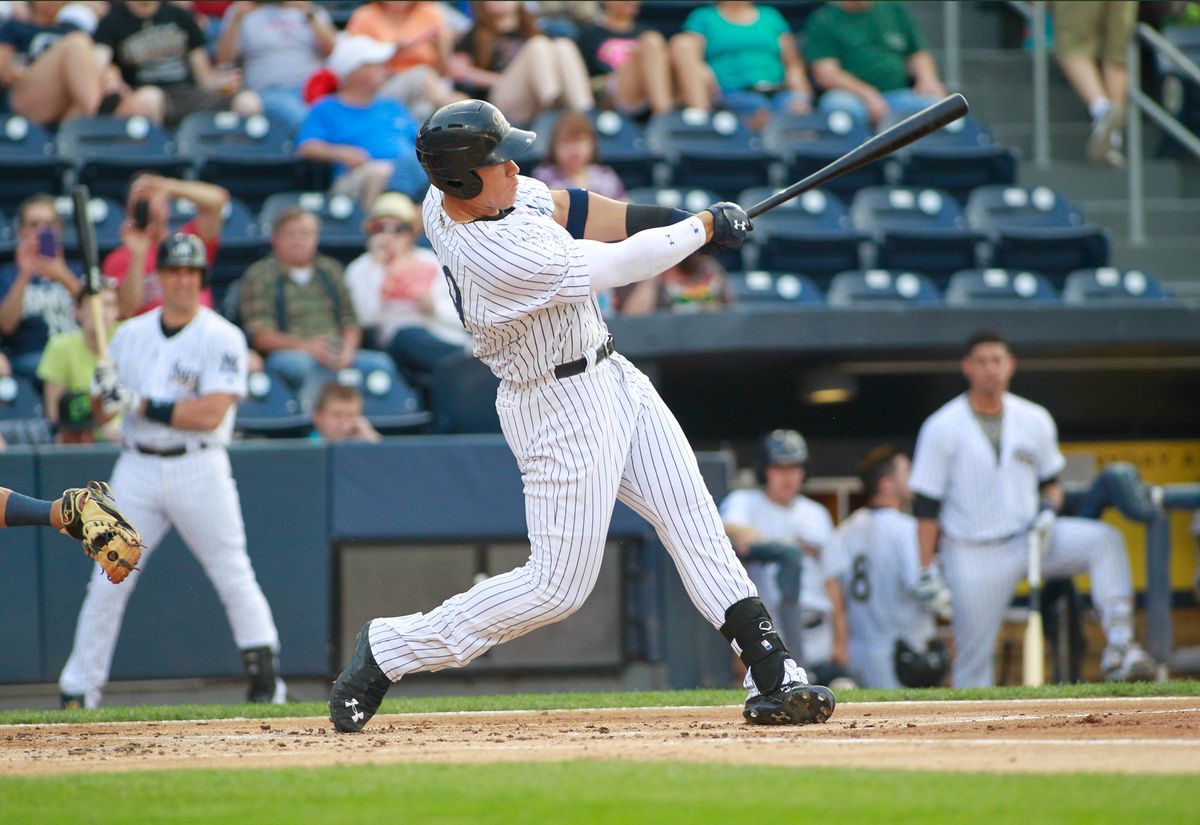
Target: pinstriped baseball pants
581	444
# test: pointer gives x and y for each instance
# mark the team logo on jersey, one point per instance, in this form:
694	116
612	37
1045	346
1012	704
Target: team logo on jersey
189	378
1025	456
229	363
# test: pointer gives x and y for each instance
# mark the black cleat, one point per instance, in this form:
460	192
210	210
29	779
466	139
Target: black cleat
793	704
70	701
360	689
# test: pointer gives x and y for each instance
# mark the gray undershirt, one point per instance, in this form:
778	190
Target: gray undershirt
992	426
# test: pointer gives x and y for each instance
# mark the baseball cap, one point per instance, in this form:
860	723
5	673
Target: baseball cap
75	413
353	51
393	205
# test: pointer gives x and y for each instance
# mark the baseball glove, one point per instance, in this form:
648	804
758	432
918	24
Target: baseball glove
90	515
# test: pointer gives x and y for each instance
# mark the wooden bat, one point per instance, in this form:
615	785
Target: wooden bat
92	279
1033	665
912	128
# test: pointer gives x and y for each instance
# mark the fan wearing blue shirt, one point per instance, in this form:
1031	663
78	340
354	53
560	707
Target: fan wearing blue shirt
369	140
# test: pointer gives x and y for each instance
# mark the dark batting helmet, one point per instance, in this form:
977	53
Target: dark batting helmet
919	669
185	250
780	447
460	138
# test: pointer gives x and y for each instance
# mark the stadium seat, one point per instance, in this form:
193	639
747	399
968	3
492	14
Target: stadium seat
957	158
920	229
1036	228
8	240
252	157
28	164
1108	283
802	144
19	399
389	402
711	150
985	286
242	240
758	288
107	216
463	396
810	234
881	286
620	143
105	151
341	221
271	408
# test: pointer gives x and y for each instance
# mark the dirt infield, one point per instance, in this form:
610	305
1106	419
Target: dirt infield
1145	735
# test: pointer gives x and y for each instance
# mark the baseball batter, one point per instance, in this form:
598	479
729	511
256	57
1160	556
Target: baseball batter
176	375
891	625
524	264
985	472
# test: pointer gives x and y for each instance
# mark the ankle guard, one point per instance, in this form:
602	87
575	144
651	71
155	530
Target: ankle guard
751	633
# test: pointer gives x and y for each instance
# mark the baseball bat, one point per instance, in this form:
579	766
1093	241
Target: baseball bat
912	128
92	279
1033	665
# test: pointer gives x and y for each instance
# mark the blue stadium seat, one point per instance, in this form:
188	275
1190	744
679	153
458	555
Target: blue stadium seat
28	164
620	143
341	221
242	239
985	286
19	399
1036	228
8	240
810	234
758	288
389	402
881	286
957	158
1107	283
920	229
105	151
711	150
802	144
340	10
252	157
271	408
107	216
463	396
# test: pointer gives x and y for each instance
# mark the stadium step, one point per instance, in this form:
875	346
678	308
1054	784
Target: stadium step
1172	260
1082	181
1165	217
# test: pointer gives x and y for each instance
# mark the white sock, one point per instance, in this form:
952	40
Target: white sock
1100	108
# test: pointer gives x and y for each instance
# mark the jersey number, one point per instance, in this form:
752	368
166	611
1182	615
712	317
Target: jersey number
860	585
455	294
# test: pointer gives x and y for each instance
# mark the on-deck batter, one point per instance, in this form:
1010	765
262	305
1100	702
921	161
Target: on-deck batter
523	265
179	372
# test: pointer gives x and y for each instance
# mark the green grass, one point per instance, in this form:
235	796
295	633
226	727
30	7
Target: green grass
592	792
550	701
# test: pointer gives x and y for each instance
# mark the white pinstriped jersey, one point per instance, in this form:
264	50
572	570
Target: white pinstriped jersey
520	283
804	522
985	498
206	356
882	567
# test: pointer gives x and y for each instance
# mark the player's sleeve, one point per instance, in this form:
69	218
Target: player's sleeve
1050	457
931	461
225	365
536	266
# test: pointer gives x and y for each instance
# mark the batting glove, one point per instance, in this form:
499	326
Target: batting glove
104	380
121	401
731	225
931	590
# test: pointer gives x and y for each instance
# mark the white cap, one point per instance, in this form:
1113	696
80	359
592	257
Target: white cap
353	51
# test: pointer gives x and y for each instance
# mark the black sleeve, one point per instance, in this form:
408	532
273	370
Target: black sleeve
926	507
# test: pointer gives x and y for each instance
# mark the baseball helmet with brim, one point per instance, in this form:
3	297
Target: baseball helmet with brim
465	136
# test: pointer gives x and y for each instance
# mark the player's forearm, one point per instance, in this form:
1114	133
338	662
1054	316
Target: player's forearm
203	414
927	539
643	255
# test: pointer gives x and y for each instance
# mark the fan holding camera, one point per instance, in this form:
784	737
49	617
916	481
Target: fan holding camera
37	290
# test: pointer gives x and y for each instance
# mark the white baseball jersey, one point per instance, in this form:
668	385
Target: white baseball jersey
521	284
985	498
206	356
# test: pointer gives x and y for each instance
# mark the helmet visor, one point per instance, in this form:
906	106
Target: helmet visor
510	146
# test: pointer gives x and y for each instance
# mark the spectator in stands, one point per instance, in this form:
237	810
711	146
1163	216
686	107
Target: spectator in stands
157	44
134	264
696	283
298	311
871	61
506	59
396	287
629	61
741	55
1091	39
48	69
338	416
38	289
370	141
572	163
424	42
279	46
67	367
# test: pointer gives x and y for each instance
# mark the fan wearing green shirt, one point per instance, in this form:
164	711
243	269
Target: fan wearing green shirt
871	61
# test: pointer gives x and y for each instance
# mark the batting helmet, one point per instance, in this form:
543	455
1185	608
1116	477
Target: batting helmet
780	447
185	250
460	138
918	669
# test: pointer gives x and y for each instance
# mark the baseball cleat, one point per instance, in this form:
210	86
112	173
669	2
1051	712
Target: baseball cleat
794	704
360	689
1128	664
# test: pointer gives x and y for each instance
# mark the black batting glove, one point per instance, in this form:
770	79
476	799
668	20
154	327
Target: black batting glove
731	225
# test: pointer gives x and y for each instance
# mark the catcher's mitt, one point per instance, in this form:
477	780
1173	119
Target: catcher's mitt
90	515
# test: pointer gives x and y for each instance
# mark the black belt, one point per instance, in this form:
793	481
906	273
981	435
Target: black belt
167	452
580	364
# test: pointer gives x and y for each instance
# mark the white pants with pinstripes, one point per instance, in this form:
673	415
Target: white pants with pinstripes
981	579
197	494
581	443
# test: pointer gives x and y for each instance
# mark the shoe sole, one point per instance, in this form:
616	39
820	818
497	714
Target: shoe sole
808	705
1100	142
